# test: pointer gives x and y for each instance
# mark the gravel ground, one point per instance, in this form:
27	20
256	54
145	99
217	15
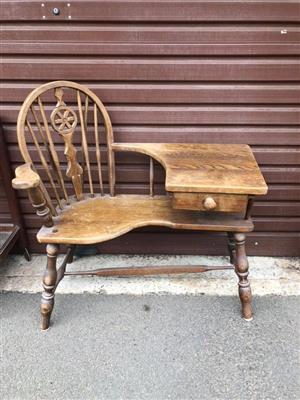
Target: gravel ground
150	347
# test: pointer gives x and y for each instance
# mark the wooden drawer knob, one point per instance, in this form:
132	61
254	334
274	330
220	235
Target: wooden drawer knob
209	203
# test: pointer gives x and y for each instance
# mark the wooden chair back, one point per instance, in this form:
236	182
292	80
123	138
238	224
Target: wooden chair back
66	116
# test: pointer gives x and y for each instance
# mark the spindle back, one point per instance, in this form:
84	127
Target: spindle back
46	125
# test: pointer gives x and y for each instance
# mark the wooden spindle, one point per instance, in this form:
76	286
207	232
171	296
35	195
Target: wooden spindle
40	129
44	140
110	153
86	110
112	173
151	177
52	150
84	143
44	162
86	107
98	150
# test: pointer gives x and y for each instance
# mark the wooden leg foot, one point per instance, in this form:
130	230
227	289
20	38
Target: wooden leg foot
49	281
241	269
46	310
246	298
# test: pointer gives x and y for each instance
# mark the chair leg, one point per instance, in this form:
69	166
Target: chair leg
231	246
71	255
241	269
49	281
27	255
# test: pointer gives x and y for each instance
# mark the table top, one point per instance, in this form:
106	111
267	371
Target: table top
210	168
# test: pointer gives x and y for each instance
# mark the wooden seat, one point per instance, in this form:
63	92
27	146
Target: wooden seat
102	218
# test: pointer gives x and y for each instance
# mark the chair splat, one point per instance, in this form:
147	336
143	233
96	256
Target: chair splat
64	121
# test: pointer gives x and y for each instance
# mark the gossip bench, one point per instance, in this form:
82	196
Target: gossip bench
66	139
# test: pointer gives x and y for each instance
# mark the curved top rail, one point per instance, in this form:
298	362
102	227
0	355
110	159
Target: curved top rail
34	95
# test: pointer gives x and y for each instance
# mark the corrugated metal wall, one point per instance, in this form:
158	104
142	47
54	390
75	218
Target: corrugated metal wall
173	71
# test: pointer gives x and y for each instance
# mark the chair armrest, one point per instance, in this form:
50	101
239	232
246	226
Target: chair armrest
25	178
152	150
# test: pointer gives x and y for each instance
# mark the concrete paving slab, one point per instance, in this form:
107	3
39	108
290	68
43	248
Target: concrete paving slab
150	348
268	275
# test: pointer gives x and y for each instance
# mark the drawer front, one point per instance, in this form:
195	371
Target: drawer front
210	202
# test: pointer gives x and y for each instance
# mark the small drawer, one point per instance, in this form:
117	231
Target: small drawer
210	202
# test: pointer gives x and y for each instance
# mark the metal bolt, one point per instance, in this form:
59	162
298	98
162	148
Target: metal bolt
56	11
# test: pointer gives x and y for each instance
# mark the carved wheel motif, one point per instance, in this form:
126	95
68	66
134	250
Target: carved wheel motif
63	119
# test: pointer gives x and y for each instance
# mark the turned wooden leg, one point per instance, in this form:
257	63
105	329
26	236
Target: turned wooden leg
49	281
231	246
241	269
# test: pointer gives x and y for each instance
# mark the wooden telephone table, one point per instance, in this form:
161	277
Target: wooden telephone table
209	187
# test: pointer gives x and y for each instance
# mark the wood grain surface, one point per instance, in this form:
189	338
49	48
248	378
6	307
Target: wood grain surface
210	168
99	219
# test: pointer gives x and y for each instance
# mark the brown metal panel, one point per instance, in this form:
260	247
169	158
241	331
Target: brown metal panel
157	10
277	155
174	92
277	192
41	48
271	156
152	68
140	173
275	224
147	34
283	192
187	115
5	215
150	39
276	209
258	243
170	71
154	34
252	135
262	223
